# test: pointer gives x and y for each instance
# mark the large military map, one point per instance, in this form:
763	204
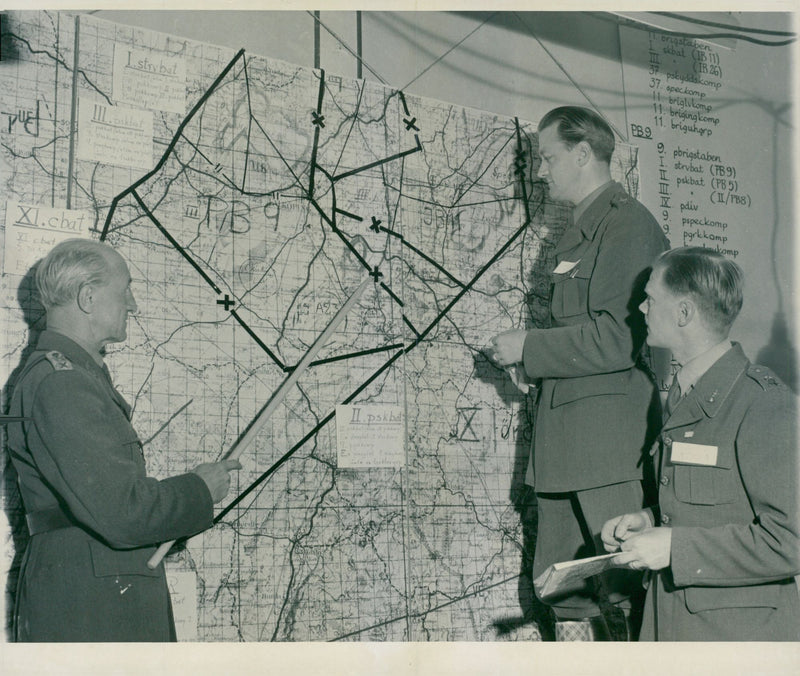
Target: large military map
251	198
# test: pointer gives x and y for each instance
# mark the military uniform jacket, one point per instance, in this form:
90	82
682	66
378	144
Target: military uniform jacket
592	416
728	489
79	454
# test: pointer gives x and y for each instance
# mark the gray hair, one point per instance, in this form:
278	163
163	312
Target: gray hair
67	267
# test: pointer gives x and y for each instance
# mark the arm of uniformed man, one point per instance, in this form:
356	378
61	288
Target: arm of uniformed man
99	474
603	343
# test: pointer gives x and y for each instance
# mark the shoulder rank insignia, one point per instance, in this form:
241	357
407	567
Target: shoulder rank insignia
59	361
620	199
763	376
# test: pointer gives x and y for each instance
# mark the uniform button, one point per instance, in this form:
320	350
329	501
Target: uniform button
665	518
665	480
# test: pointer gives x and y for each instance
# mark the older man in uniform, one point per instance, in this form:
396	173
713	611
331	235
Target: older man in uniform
728	541
94	515
591	427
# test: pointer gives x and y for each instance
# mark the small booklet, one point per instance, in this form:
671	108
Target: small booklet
562	577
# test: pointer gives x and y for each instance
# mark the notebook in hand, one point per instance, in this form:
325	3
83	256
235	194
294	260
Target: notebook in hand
563	576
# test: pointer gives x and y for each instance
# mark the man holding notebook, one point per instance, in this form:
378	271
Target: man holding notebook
724	541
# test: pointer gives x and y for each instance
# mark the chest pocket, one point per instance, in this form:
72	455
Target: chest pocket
571	293
706	484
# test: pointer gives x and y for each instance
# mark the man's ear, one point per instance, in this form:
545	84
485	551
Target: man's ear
687	310
86	298
584	153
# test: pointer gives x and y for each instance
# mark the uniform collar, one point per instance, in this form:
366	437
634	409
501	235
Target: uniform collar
579	209
589	214
590	211
52	340
711	390
714	386
694	369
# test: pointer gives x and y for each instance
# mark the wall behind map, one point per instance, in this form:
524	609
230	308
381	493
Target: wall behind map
523	63
728	187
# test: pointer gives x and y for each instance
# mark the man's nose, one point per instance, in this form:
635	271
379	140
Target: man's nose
542	170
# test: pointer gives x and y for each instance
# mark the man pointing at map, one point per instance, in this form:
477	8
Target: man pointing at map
93	514
595	398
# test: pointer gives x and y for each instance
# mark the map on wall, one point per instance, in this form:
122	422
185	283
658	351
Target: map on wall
250	198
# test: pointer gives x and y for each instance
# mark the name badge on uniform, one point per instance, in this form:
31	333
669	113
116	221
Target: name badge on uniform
693	454
564	267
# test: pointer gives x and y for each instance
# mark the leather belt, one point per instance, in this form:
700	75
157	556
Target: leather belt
46	520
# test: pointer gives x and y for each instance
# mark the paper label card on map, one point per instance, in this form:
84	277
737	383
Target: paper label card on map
183	591
115	134
370	435
149	79
32	230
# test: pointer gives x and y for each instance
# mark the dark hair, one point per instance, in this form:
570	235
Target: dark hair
576	124
714	282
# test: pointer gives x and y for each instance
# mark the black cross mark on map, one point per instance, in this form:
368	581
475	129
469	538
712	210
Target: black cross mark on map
317	119
226	302
410	123
519	162
467	415
375	223
376	274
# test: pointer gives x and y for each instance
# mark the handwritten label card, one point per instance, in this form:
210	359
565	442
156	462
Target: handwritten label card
183	591
31	231
150	79
370	435
115	134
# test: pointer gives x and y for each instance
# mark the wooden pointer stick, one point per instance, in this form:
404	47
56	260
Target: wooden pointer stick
255	427
6	419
